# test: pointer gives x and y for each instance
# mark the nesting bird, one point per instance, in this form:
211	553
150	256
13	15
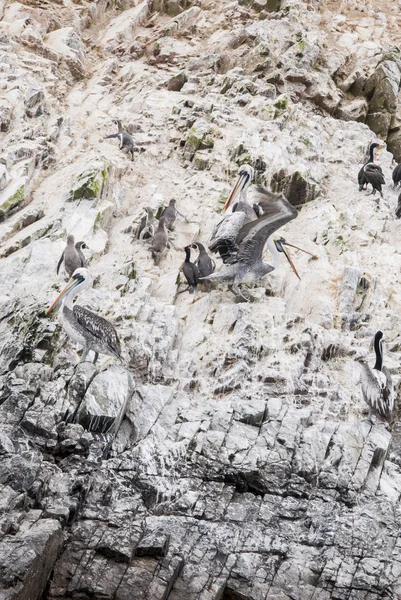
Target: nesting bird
72	256
190	271
246	264
371	173
125	139
160	242
377	385
82	325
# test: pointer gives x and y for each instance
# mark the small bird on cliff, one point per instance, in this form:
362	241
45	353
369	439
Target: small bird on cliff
246	264
371	173
147	225
377	385
82	325
160	242
72	256
205	264
397	175
190	271
125	139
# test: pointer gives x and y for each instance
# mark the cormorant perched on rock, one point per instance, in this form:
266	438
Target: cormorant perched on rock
377	385
398	209
147	225
371	173
160	242
397	175
190	271
205	264
82	325
126	140
72	256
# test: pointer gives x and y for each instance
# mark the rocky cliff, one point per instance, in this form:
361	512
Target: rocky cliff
230	456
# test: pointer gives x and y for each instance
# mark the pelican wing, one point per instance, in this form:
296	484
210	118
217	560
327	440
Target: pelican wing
277	211
261	196
98	328
377	390
388	393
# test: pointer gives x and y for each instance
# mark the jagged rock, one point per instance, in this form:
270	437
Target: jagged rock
356	110
176	82
4	177
89	183
105	402
199	137
34	101
67	46
11	197
297	187
382	87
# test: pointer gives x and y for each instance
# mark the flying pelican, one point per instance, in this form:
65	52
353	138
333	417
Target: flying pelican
73	256
397	175
377	386
125	139
224	236
247	265
83	326
205	264
190	270
371	173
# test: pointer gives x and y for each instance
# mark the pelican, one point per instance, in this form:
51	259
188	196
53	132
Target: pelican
397	175
190	271
246	264
371	173
72	256
224	236
377	386
83	326
125	139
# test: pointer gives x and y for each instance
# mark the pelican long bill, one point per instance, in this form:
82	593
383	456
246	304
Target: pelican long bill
288	257
237	187
67	288
301	249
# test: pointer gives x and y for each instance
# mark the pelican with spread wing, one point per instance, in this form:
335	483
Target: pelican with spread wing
246	264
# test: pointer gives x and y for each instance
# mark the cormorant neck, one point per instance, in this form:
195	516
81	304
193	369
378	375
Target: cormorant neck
187	254
379	355
371	154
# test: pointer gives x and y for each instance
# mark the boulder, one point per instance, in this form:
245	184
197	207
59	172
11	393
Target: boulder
298	187
89	183
67	46
356	110
382	89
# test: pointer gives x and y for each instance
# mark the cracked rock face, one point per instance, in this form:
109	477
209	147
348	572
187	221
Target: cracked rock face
230	455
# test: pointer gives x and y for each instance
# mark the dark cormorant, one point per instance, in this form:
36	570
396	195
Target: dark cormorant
397	175
398	209
377	386
371	173
190	271
205	264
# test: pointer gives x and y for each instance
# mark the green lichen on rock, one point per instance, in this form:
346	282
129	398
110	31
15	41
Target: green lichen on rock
299	36
281	104
12	201
199	137
90	182
297	187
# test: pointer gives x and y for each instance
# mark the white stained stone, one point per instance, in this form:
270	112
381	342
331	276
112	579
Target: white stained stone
347	40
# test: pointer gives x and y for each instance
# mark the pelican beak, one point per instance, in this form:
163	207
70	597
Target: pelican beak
235	190
288	257
72	283
301	249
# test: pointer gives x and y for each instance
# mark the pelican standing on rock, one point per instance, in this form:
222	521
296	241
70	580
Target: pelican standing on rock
377	385
371	173
72	256
82	325
247	265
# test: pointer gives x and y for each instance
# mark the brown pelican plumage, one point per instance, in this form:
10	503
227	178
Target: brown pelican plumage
377	385
72	256
205	264
190	271
82	325
160	242
125	139
246	264
371	173
225	233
